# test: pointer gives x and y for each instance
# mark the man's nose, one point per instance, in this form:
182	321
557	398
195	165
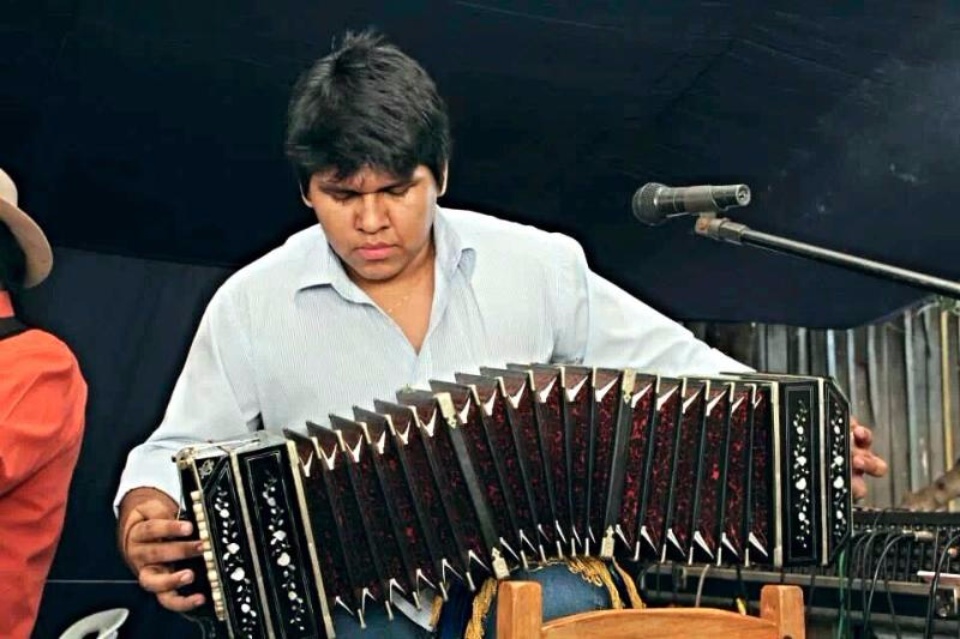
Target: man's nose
373	214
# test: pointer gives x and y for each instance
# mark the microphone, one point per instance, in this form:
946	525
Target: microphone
654	203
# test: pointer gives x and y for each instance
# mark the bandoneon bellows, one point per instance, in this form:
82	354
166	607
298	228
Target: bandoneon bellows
480	475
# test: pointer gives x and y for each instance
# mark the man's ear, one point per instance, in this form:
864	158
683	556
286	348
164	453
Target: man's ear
303	196
443	179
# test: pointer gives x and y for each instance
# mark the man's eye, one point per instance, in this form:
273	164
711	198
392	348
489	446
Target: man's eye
342	197
400	191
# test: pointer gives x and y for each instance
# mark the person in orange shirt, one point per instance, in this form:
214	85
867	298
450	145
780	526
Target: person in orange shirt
43	398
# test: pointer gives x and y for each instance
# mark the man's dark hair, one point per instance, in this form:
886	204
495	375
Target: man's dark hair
366	104
13	262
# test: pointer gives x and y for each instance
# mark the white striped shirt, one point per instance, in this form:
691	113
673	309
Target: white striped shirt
290	338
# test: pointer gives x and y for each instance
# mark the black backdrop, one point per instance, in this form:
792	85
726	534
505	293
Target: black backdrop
130	322
154	129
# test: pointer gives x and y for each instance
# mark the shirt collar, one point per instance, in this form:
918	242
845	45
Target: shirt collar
6	304
322	267
453	250
320	263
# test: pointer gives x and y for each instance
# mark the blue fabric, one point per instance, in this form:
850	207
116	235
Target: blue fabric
564	593
456	613
378	625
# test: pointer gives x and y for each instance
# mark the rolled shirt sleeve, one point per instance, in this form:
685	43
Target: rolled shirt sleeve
608	327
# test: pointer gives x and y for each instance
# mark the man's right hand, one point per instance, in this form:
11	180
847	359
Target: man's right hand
148	530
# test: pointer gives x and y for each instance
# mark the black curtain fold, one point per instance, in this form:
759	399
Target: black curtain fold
130	323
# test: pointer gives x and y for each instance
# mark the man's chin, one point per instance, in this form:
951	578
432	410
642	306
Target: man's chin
374	272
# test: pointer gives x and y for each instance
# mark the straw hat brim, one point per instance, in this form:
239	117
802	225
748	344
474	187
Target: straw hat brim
36	247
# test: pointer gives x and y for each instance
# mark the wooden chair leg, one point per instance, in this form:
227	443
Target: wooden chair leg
783	605
519	610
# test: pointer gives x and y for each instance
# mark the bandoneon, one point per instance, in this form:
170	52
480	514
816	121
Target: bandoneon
487	473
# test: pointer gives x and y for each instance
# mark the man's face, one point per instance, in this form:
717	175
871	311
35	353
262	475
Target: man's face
379	224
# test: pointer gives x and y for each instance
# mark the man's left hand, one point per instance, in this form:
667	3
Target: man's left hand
863	460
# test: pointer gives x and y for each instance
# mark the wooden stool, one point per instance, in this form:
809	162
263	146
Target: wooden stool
520	616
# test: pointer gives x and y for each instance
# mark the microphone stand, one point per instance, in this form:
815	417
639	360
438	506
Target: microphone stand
723	229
